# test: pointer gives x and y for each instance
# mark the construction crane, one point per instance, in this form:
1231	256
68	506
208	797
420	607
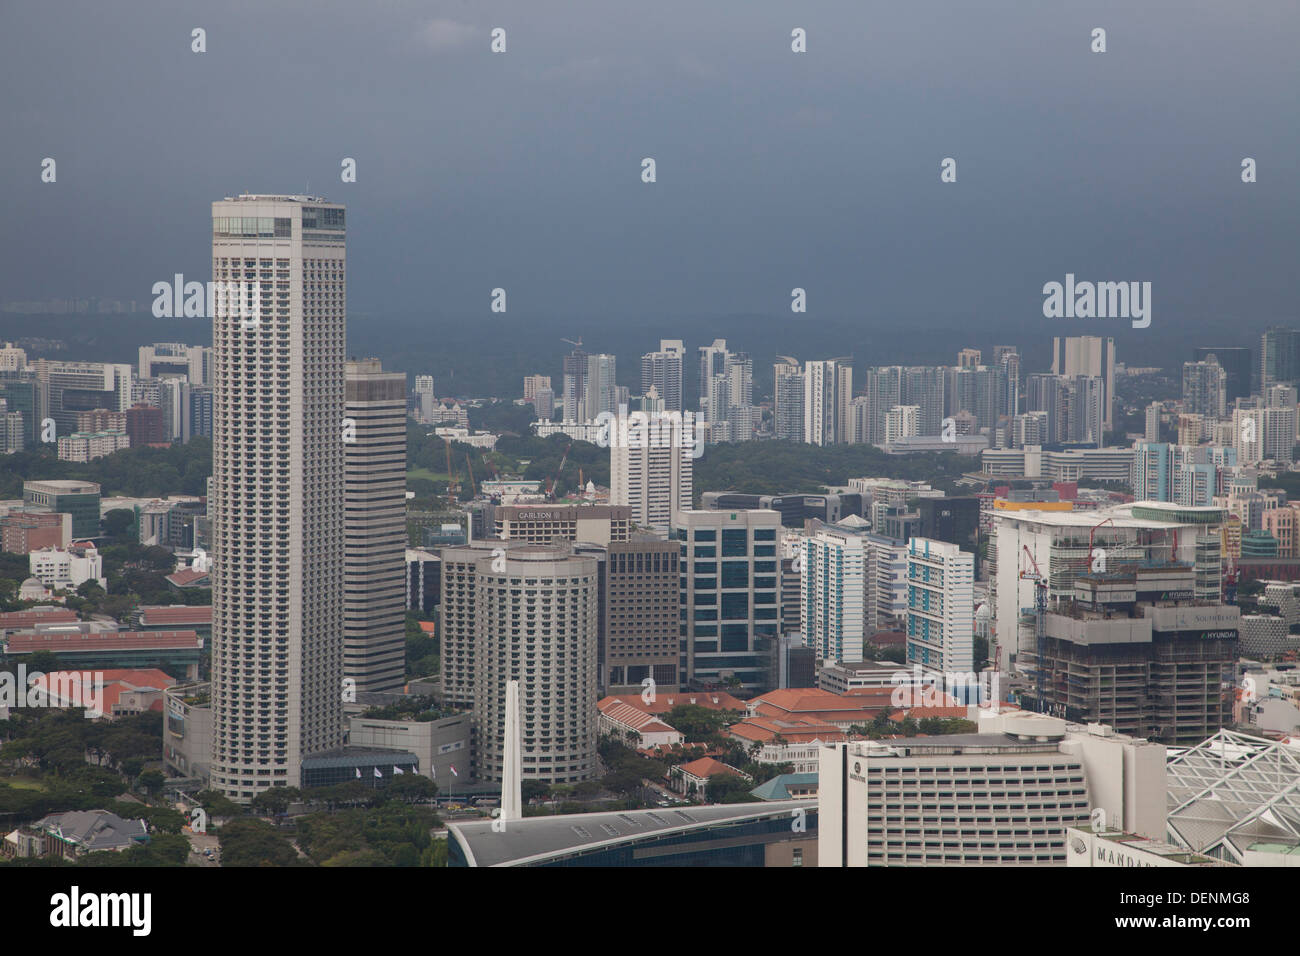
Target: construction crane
470	468
1040	622
451	479
1091	538
550	488
576	345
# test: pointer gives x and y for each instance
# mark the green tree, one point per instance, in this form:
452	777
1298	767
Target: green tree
249	842
151	781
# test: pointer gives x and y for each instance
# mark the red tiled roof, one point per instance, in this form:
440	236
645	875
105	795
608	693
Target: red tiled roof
63	642
186	576
708	767
795	731
116	683
616	709
712	699
12	619
921	713
161	614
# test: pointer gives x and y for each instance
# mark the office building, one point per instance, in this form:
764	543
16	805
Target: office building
80	499
172	359
794	509
374	568
1279	357
66	388
20	391
639	632
730	596
277	491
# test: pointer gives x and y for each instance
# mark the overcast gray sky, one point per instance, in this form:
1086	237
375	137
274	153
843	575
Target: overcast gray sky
775	169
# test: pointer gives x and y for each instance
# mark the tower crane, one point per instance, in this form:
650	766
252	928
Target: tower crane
1040	621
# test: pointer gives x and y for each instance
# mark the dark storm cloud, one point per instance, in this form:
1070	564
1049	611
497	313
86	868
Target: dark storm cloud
775	170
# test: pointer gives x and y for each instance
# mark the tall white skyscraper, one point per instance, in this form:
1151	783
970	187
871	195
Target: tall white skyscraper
828	392
277	489
653	475
374	572
940	606
833	586
662	371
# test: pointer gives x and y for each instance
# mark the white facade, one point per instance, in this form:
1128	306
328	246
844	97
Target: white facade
901	421
56	568
940	606
833	591
193	362
87	446
1005	796
653	476
277	489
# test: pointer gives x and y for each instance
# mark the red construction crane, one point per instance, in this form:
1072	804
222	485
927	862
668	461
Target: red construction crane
1091	536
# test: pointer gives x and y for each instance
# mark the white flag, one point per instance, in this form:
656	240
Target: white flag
358	773
378	774
397	769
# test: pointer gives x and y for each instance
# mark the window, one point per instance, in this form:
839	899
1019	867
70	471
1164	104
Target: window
735	606
735	574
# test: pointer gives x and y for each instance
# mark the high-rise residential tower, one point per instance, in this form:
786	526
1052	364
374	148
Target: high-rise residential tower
278	339
653	473
940	606
787	405
662	370
374	565
1090	355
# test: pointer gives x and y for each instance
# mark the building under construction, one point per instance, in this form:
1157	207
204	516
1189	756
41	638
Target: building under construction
1135	649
